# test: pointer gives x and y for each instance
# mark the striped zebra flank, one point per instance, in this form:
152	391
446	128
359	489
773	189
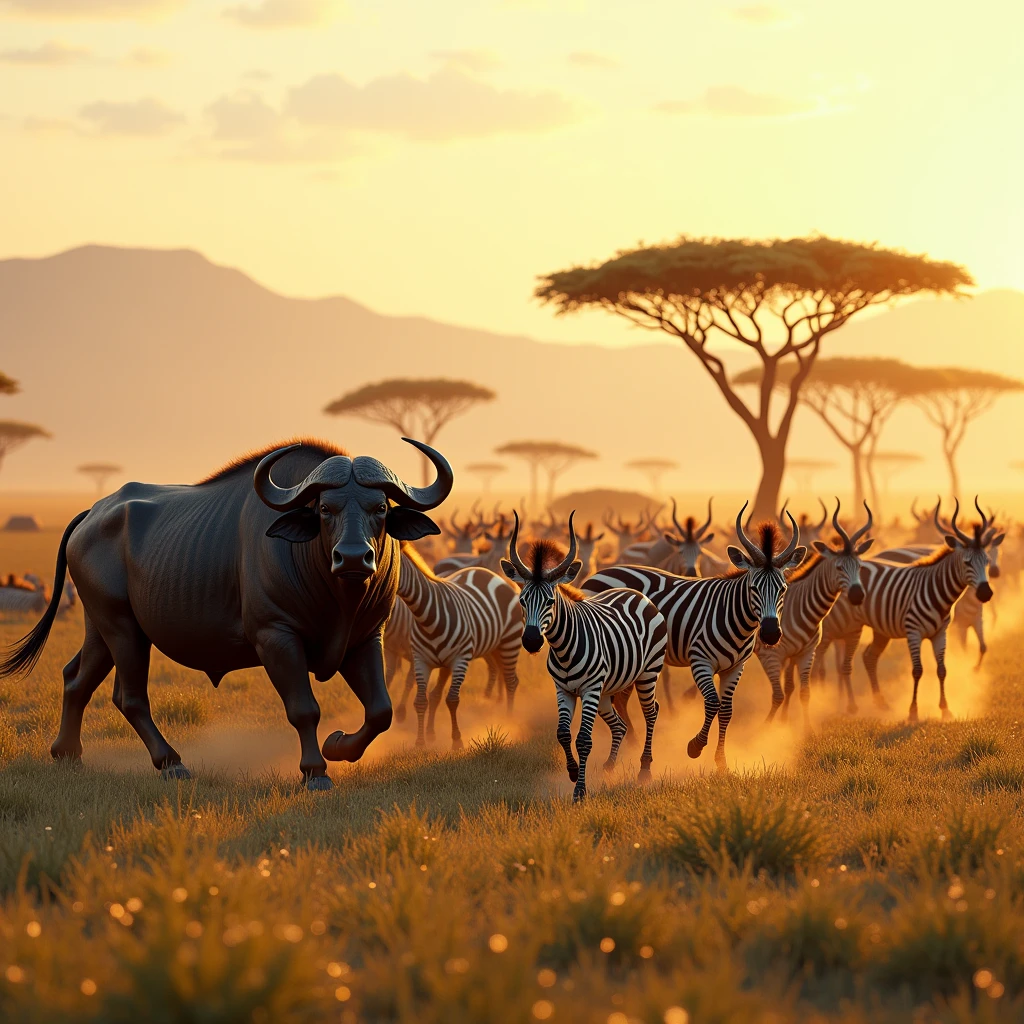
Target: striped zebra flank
813	589
471	614
713	623
597	647
911	602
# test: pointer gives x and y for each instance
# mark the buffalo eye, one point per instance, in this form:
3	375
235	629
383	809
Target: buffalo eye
324	510
382	508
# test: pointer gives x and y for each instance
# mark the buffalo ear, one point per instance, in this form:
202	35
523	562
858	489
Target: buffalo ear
408	524
299	526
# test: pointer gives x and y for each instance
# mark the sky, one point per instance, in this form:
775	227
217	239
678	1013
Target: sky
434	158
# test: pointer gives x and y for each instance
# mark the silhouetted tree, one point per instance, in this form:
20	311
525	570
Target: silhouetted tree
13	435
776	298
415	408
854	398
952	397
8	386
553	457
487	471
803	471
888	463
99	473
653	469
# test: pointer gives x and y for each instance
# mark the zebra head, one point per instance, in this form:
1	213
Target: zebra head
537	584
688	542
972	553
844	562
765	572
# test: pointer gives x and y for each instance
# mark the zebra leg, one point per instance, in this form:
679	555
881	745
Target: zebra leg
849	645
979	629
617	727
914	643
620	701
790	685
584	738
508	662
645	690
82	675
443	676
704	676
422	672
939	647
452	700
492	677
410	682
772	665
566	707
666	688
804	664
872	653
727	683
819	659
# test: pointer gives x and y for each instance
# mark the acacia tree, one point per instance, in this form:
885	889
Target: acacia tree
803	471
951	397
554	457
99	473
13	435
487	471
8	385
778	299
415	408
854	398
888	463
654	470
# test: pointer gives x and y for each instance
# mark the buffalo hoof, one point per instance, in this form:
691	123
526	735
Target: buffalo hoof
574	771
645	776
175	771
66	756
694	747
400	713
579	794
318	783
340	746
912	717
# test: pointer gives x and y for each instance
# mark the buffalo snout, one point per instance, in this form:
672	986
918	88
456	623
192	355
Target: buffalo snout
770	632
354	561
856	594
984	591
532	640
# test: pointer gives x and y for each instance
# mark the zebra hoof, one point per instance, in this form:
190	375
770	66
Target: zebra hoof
694	747
172	772
609	765
912	717
721	767
851	708
579	794
420	742
574	771
400	713
457	744
318	784
947	715
881	703
645	776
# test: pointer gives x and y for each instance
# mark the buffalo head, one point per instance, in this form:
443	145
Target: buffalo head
347	504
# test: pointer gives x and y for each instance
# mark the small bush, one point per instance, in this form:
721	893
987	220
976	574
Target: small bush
181	707
960	844
976	748
998	775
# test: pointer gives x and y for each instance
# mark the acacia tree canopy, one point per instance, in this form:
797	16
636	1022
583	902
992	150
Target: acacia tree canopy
778	298
14	434
8	385
554	457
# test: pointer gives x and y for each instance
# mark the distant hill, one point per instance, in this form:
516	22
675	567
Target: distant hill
169	365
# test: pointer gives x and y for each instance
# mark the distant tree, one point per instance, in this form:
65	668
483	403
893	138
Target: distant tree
13	435
8	386
99	473
952	397
553	457
415	408
803	471
487	471
654	470
703	290
854	398
888	463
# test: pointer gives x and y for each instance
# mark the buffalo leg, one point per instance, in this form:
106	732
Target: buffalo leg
285	661
363	669
82	675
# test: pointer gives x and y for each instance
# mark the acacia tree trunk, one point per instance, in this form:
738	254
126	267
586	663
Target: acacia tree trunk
773	468
858	475
954	476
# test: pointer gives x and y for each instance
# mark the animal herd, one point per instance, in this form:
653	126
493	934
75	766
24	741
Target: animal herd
305	560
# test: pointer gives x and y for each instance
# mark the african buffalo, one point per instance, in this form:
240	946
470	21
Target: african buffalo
210	576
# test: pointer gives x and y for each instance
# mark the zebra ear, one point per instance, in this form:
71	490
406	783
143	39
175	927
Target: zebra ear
510	571
799	554
950	541
996	541
672	539
570	574
707	539
820	546
861	548
739	558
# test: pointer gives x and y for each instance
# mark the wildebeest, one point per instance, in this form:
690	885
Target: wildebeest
212	577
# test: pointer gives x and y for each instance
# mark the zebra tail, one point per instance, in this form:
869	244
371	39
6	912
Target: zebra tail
22	656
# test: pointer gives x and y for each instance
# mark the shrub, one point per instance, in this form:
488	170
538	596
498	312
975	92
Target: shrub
180	707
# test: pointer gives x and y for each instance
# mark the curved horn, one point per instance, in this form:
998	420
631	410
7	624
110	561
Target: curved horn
824	514
913	509
793	541
756	555
513	549
866	527
419	498
675	520
559	570
985	521
283	499
782	511
843	535
961	536
707	522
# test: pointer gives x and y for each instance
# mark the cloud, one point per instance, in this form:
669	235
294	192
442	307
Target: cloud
284	13
447	105
87	9
760	14
734	101
51	54
473	61
146	57
593	61
146	117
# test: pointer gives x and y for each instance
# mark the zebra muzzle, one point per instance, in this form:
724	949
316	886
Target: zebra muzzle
984	591
770	633
532	639
856	595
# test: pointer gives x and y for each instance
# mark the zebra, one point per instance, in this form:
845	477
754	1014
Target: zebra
462	535
398	648
471	614
913	602
598	646
680	552
23	598
713	623
489	559
813	589
627	535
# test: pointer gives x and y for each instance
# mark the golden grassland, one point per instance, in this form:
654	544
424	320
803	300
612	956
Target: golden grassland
872	870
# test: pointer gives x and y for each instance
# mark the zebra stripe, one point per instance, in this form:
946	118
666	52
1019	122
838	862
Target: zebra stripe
471	614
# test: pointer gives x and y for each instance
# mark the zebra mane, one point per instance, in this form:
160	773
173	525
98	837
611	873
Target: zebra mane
542	555
417	559
805	568
935	556
251	458
769	538
691	526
